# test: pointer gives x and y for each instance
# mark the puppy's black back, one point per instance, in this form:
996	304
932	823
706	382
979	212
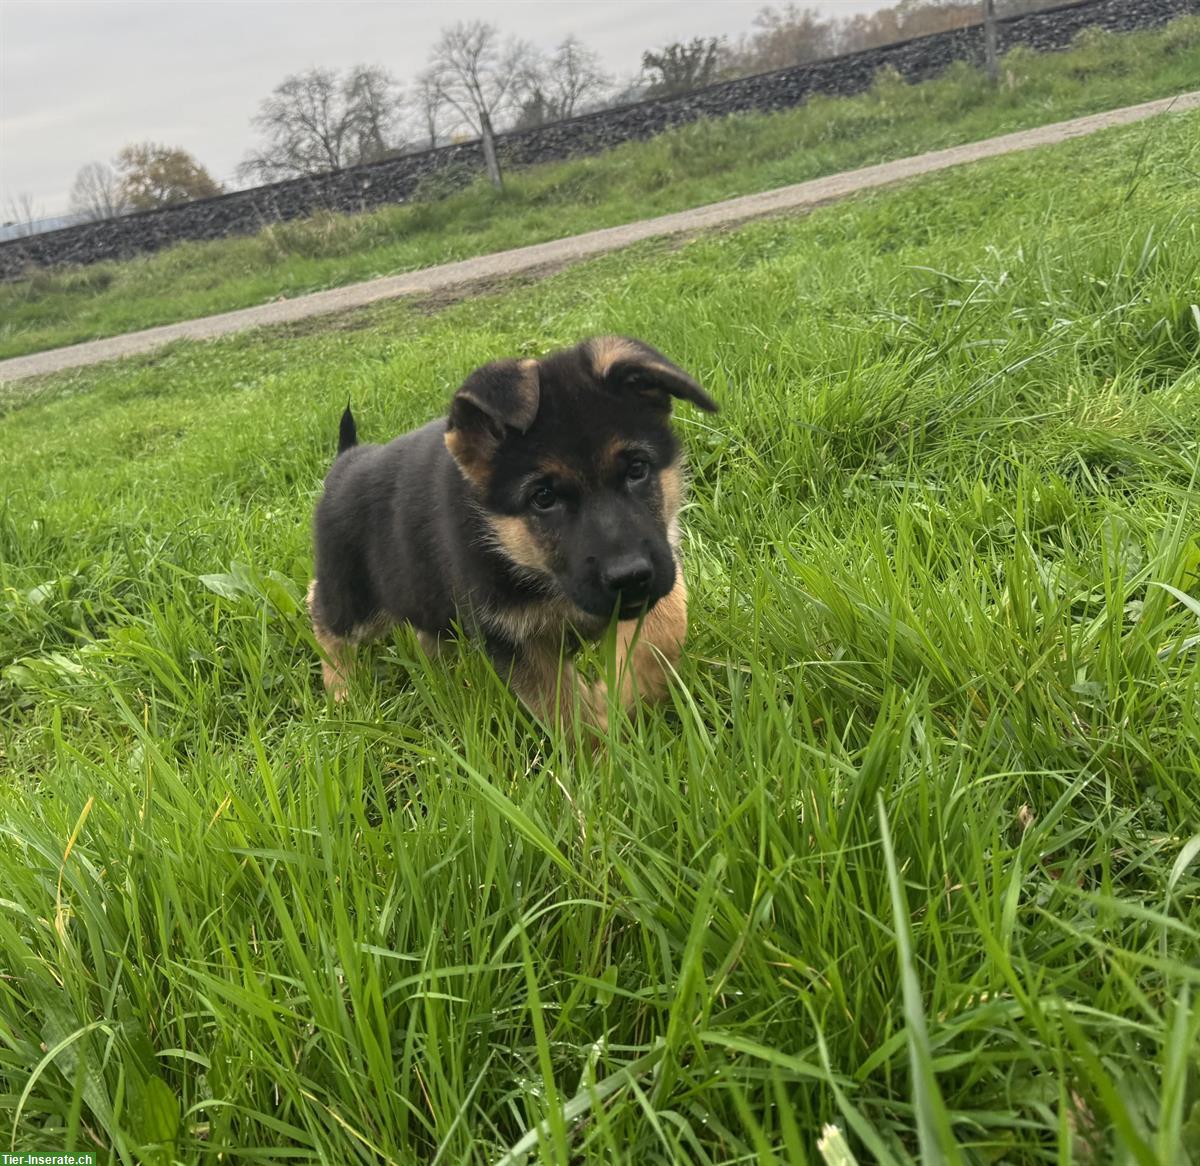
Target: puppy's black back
397	537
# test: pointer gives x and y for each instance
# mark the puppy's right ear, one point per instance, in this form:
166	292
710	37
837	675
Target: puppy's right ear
498	397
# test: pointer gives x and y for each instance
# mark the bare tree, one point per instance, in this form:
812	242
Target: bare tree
316	121
22	214
374	100
561	85
96	193
784	37
305	126
574	78
480	79
428	100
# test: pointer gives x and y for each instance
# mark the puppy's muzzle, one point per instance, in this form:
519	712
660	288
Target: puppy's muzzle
627	581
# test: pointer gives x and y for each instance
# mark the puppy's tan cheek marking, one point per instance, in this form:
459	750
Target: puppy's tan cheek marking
517	541
473	463
605	351
670	484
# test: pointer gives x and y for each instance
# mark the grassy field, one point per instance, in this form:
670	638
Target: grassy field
915	850
697	164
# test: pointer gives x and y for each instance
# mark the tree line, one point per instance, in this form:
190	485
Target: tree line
478	82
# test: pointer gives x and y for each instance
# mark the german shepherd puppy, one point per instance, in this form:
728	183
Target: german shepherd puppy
544	506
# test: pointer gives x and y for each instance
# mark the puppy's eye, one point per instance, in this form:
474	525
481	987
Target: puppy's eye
638	470
543	498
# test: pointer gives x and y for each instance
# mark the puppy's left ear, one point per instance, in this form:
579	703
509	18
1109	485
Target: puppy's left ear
498	397
625	364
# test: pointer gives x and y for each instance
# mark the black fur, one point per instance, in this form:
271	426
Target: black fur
395	535
347	431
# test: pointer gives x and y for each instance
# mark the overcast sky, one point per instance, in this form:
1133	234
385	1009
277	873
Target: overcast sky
81	78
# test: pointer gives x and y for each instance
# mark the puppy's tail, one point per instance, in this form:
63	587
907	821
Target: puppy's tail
347	432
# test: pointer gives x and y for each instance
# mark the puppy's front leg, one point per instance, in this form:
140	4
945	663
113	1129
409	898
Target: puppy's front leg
337	654
547	684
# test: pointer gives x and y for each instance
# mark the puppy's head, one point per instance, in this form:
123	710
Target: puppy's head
575	466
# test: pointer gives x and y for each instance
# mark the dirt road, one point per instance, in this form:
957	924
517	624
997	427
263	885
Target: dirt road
485	268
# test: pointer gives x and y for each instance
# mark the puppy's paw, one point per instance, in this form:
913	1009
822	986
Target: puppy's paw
336	686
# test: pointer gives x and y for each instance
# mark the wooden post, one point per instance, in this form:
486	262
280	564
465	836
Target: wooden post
488	141
989	41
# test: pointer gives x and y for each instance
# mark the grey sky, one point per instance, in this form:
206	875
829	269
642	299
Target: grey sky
81	78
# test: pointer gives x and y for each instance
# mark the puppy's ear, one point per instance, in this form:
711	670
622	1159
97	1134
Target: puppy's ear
493	399
628	365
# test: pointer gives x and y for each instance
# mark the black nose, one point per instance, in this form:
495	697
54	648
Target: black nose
628	576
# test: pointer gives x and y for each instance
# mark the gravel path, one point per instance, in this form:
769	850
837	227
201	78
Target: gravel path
562	251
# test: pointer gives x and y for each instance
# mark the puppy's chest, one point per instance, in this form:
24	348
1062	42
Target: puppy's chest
545	620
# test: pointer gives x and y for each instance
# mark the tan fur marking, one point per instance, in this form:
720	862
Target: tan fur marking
515	539
430	644
663	370
338	654
548	619
644	659
470	459
549	687
472	452
554	467
610	456
605	351
529	389
335	665
671	483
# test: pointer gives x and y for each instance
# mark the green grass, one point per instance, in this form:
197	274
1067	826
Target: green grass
697	164
913	850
